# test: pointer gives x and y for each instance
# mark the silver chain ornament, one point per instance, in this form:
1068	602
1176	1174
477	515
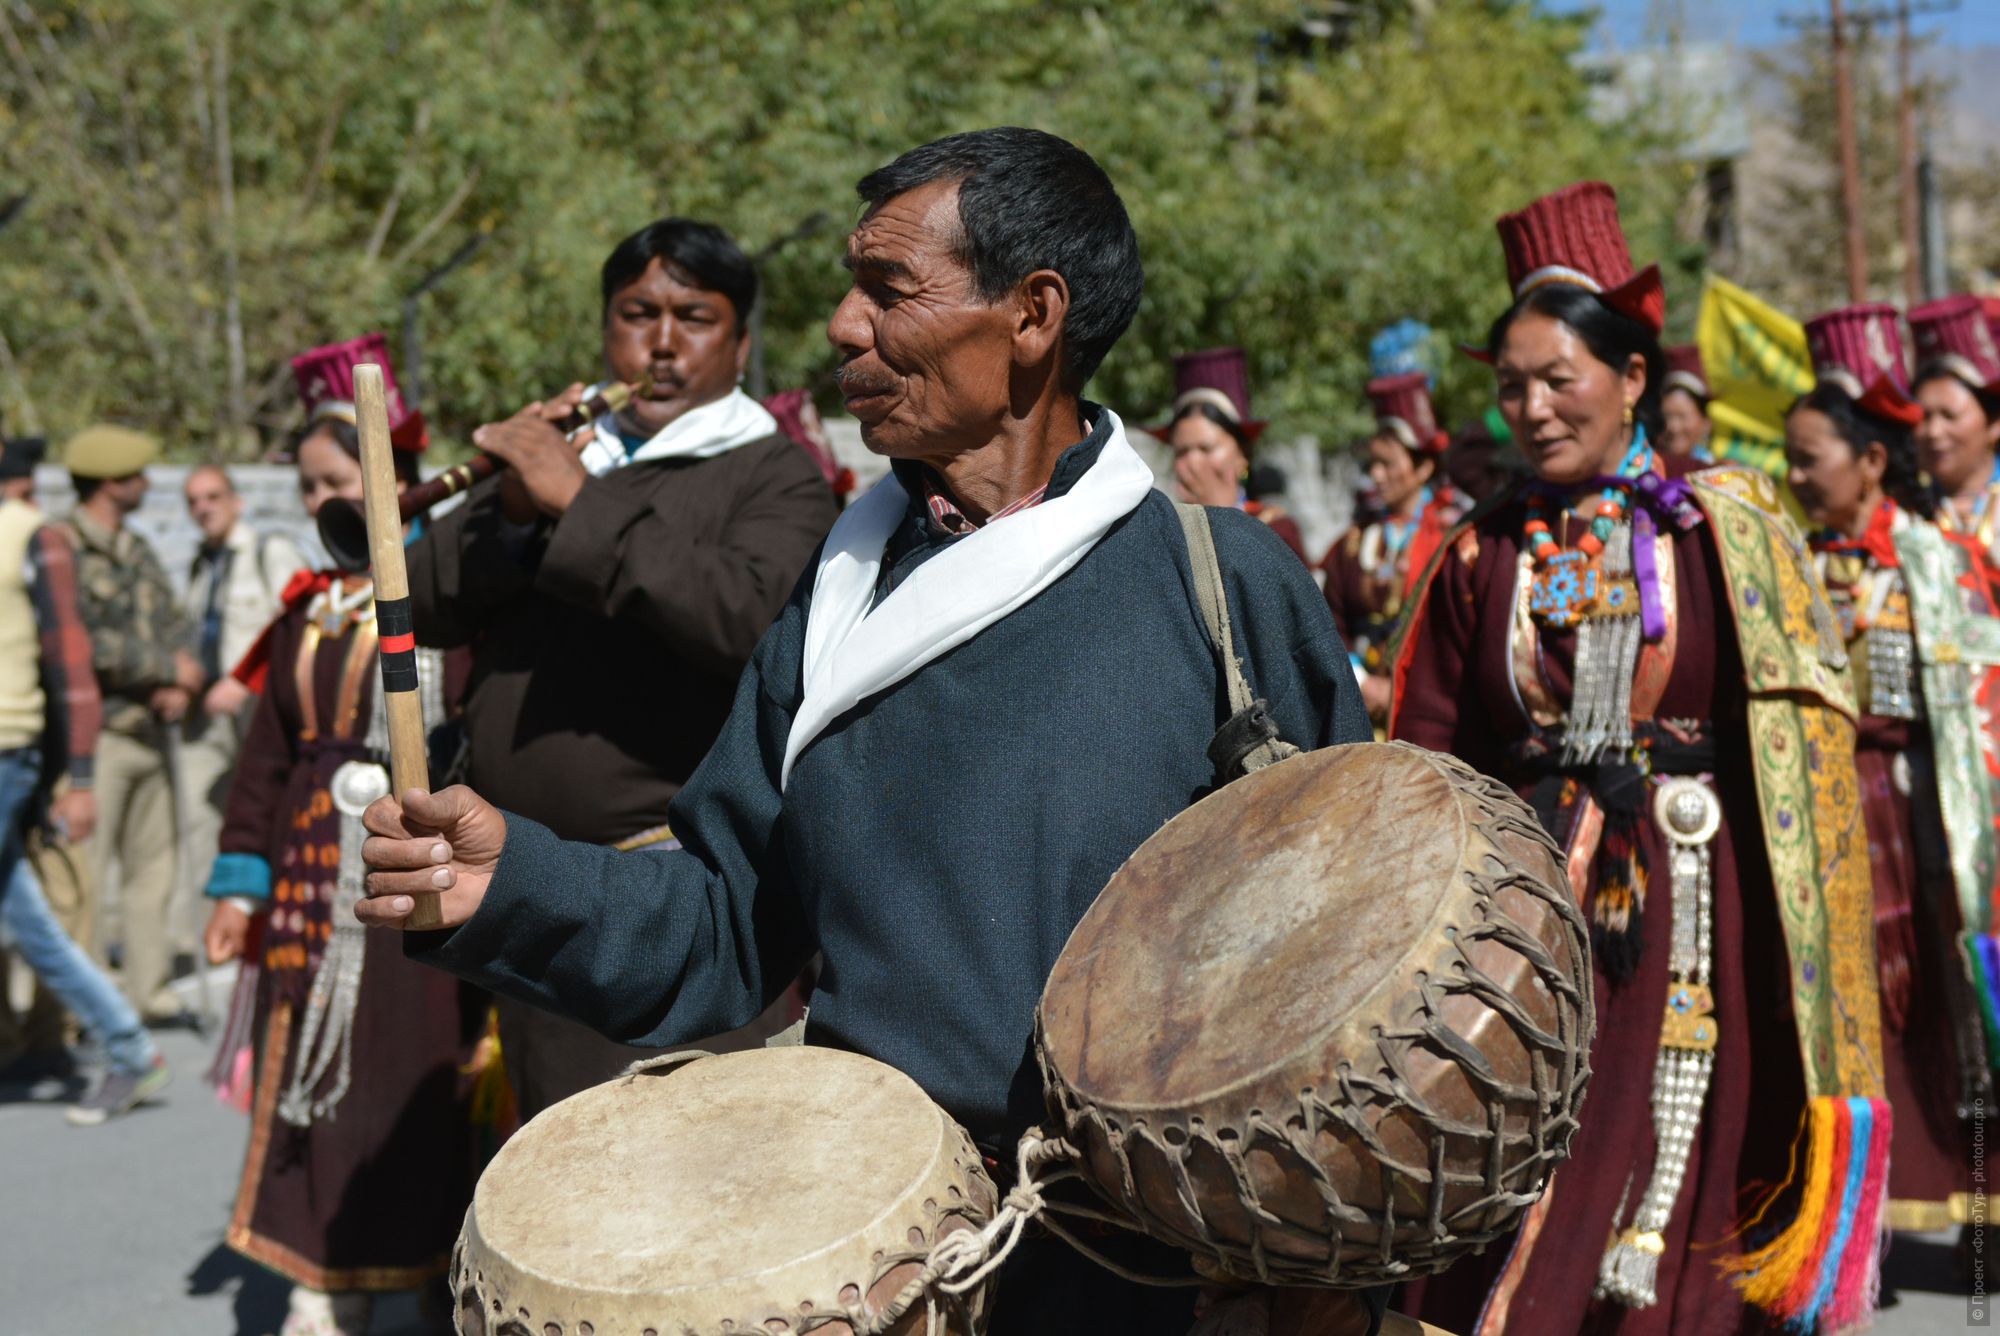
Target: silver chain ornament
1689	814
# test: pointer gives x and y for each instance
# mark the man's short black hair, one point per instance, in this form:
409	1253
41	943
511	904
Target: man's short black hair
1026	201
707	253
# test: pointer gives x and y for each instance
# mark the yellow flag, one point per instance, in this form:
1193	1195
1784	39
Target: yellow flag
1757	365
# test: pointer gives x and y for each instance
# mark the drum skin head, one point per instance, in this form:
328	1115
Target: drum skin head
1266	924
1331	1024
722	1195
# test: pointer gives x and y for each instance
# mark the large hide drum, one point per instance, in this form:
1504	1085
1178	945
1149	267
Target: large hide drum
778	1190
1330	1025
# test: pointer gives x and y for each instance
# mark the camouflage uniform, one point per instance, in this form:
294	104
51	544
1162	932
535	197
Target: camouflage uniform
136	625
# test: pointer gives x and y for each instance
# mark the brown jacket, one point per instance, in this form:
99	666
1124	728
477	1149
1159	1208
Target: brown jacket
606	646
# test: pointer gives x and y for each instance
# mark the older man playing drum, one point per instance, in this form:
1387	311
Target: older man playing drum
994	684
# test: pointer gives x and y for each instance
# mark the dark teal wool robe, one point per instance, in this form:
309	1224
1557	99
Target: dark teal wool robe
936	844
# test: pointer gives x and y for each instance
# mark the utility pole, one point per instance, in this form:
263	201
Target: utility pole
1910	176
1935	276
1850	158
1906	135
1916	284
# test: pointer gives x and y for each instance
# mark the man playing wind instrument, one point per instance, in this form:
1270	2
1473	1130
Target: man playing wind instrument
612	596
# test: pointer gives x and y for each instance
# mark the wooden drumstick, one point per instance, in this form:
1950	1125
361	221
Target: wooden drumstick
409	767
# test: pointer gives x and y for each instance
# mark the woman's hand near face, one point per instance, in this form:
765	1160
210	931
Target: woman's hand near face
1208	476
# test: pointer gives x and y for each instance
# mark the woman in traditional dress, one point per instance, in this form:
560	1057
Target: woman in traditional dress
1212	436
1369	569
359	1167
1644	654
1684	425
1958	385
1889	575
1960	434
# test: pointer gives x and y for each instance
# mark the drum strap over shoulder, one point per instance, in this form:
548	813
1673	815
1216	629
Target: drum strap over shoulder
1249	739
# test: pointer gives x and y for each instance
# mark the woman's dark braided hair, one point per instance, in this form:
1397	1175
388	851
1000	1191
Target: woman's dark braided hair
1903	478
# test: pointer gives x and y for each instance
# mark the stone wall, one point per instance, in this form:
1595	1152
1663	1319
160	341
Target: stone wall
271	504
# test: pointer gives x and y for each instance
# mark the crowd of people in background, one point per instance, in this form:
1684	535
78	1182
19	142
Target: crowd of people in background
1714	711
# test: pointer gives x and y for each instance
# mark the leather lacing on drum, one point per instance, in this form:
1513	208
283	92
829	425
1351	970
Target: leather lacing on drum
962	1262
1516	1165
955	1307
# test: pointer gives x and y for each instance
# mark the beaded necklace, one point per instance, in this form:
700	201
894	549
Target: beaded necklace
1568	583
1396	536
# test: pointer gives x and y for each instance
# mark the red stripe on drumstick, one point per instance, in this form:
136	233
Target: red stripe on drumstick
399	644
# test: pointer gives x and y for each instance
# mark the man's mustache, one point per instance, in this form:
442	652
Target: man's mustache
854	382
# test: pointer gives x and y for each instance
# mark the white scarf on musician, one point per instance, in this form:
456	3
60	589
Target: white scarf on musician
700	433
852	652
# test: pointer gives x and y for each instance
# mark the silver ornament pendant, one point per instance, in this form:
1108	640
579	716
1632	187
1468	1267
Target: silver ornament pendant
357	784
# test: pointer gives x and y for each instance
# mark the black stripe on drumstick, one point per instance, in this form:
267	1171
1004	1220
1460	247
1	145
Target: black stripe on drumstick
396	632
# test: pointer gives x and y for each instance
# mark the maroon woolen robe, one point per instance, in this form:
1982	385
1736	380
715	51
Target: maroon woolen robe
1460	695
1930	1151
372	1197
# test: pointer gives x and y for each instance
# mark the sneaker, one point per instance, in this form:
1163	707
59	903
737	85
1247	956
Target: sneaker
120	1092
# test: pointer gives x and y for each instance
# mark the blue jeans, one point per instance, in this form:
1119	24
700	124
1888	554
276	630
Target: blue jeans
62	965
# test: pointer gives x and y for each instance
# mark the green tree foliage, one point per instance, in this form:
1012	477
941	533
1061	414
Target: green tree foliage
216	185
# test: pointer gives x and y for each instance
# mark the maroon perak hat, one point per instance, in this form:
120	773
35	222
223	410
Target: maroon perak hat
1957	332
325	377
1403	410
1685	371
1218	377
1860	349
1573	236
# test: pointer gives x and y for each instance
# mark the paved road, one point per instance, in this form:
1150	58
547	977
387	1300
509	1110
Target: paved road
119	1228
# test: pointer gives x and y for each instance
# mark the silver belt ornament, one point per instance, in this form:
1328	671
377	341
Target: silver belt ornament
356	784
1689	814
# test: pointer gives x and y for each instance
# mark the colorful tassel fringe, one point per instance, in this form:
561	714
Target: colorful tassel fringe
1821	1273
1983	951
235	1053
495	1116
1618	904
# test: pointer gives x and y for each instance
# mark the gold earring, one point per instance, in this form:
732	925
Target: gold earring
1628	415
1244	476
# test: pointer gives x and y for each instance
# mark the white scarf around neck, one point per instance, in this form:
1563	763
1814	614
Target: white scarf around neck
852	652
700	433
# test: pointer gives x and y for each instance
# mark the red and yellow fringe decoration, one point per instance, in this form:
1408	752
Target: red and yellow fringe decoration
1822	1271
495	1116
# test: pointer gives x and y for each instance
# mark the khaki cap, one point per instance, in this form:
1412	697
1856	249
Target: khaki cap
109	452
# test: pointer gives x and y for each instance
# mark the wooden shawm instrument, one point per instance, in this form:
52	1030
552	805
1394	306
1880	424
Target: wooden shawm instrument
343	533
1329	1026
409	766
776	1190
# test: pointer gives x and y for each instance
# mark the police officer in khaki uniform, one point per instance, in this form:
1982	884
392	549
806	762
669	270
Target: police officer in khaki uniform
139	635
